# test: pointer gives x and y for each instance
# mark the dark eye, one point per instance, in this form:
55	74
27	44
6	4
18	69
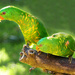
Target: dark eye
3	13
54	35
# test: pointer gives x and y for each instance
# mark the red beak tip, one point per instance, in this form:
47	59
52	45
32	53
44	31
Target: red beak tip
1	18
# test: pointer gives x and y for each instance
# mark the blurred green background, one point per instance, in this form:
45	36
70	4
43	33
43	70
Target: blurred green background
57	16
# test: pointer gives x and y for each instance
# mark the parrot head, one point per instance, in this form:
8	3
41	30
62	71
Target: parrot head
8	13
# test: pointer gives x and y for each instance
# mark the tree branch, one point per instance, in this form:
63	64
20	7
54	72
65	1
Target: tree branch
47	62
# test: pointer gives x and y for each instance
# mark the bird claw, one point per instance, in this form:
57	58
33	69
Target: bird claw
39	52
48	55
27	45
70	59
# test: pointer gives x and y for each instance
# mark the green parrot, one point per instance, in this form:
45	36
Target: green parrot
59	44
31	27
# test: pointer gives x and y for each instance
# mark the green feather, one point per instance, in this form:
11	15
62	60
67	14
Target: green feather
31	27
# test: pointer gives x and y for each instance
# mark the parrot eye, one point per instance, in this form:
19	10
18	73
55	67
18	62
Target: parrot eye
3	13
54	35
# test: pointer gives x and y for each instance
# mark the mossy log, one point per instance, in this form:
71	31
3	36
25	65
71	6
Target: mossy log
47	62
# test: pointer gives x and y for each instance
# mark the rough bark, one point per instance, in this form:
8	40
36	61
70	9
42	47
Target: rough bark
47	62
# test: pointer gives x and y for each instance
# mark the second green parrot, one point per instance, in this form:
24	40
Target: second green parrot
59	44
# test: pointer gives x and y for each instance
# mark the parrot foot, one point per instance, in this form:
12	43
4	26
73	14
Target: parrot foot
32	68
39	52
48	55
70	59
27	45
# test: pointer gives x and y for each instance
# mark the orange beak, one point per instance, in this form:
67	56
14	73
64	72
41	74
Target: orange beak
1	18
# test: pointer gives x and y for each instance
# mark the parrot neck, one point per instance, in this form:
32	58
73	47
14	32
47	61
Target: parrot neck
28	26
